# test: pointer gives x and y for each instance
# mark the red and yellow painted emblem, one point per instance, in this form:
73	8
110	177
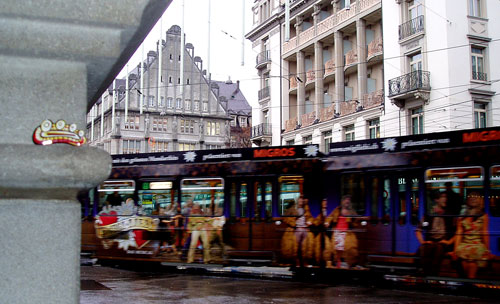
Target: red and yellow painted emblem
58	133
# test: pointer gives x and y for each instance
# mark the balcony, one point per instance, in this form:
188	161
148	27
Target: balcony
262	134
293	83
327	113
372	100
405	86
329	23
348	107
264	93
375	49
411	28
351	57
262	59
308	119
291	124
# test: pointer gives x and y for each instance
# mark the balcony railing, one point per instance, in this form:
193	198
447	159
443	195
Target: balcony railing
329	66
263	57
373	99
308	119
348	107
351	57
417	80
327	113
264	93
293	82
375	47
479	76
290	124
263	129
411	27
310	75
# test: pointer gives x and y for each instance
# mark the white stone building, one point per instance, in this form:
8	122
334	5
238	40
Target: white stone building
373	68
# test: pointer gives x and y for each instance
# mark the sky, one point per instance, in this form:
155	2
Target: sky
226	32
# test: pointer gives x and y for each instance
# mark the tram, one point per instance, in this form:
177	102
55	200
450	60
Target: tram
424	204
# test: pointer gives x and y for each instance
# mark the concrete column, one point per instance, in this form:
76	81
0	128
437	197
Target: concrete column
336	5
339	69
301	85
319	68
58	57
362	51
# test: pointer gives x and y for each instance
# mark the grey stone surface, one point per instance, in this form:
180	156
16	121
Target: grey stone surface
56	57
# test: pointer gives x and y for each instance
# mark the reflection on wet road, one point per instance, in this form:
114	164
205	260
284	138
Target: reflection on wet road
103	285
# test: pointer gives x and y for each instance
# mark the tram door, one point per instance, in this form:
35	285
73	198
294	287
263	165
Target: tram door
387	204
250	209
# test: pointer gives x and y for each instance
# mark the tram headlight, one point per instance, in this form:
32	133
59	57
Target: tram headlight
278	223
364	223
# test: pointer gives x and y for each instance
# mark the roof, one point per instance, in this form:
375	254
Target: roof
237	103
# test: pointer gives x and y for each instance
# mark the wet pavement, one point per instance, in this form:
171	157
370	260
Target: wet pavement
107	285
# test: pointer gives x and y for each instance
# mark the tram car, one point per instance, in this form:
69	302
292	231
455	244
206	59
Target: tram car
424	205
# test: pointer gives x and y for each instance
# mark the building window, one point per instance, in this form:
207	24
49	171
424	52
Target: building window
479	115
374	128
196	105
417	121
162	101
243	121
349	133
159	124
170	101
169	79
290	142
416	62
187	105
327	140
213	128
132	122
233	121
186	147
151	100
309	106
178	103
213	147
205	106
159	146
475	8
415	9
187	126
187	81
477	55
131	146
307	140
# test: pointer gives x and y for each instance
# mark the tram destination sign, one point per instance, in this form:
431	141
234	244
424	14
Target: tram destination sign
442	140
220	155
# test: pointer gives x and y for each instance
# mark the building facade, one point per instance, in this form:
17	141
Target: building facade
154	112
372	68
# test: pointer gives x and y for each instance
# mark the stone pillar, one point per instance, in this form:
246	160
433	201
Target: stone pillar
362	51
301	85
336	5
58	57
319	68
339	69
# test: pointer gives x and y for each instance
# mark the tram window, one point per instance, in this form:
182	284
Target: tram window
415	200
232	212
495	191
386	203
353	184
268	199
291	187
402	200
258	200
456	183
205	193
115	193
375	193
244	200
157	198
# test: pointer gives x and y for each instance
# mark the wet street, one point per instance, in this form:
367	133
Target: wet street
106	285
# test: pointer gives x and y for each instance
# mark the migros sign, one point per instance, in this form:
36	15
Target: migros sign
274	152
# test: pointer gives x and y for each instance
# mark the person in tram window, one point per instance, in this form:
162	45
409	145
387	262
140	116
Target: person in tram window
186	212
345	240
435	235
301	229
178	228
472	240
216	230
315	241
455	202
198	227
113	199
